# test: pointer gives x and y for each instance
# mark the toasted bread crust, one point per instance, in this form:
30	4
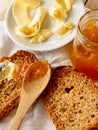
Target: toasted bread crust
23	56
71	100
10	90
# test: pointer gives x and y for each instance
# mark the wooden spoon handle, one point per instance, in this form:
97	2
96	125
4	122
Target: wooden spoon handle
26	100
23	107
17	120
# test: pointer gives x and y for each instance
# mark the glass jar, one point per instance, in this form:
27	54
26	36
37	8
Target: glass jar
84	55
91	4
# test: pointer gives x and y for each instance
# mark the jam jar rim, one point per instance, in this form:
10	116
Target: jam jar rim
79	28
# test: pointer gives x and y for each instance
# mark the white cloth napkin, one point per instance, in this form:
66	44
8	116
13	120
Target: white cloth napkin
3	7
36	118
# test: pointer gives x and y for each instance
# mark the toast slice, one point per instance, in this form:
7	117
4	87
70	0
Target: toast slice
10	88
71	100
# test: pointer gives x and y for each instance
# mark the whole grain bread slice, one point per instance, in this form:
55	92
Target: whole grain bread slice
10	89
71	100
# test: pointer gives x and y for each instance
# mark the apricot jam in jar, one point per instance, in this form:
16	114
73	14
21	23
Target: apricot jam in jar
84	55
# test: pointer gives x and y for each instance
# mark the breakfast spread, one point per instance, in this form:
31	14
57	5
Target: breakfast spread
29	26
70	98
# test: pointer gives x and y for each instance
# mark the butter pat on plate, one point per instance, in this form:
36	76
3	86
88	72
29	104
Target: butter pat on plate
21	11
41	36
32	28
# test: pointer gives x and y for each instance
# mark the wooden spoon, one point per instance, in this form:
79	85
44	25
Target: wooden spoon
35	80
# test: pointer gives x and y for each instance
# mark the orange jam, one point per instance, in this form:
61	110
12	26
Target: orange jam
36	70
84	54
90	30
19	71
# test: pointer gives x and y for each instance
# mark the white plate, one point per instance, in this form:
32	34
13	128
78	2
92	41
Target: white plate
53	42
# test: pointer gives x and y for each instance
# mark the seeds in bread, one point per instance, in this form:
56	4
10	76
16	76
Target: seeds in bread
10	89
71	100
